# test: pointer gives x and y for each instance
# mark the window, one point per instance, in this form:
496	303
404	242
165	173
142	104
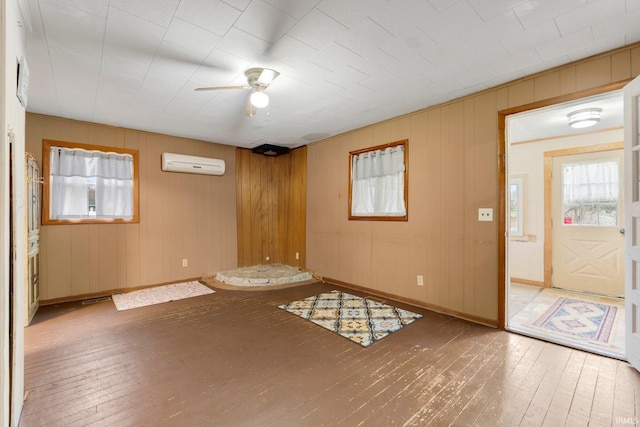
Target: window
378	187
516	206
590	193
89	184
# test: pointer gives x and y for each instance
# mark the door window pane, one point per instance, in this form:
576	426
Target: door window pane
590	193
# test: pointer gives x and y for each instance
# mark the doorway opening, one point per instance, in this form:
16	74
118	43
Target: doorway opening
565	223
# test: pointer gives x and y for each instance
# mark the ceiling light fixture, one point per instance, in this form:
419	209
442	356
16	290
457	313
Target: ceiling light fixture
267	75
584	118
259	99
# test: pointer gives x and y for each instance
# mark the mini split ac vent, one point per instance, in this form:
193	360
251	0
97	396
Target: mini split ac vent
191	164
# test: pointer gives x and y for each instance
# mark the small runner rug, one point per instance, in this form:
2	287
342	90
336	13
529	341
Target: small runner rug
159	294
360	320
584	319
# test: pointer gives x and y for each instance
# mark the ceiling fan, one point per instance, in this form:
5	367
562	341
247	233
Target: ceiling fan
258	79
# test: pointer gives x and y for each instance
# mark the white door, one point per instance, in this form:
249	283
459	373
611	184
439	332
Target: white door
587	223
632	208
33	236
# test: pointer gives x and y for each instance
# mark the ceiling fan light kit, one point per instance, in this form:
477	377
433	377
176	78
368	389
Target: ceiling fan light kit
584	118
259	99
267	75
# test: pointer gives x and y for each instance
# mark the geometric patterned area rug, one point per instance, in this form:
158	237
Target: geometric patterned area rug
583	319
159	294
360	320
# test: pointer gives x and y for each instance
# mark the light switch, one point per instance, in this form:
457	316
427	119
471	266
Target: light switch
485	214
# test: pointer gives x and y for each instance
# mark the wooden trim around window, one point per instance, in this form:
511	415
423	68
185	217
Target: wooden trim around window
405	217
46	195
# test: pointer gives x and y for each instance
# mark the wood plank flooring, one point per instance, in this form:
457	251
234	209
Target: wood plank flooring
233	358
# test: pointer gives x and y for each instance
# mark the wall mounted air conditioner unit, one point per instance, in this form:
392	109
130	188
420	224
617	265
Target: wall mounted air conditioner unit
191	164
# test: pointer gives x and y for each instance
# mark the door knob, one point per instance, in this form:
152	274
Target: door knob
622	231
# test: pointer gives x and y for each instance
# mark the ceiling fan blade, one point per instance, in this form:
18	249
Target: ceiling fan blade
280	23
200	89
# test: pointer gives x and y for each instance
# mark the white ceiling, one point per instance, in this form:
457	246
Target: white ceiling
343	63
552	121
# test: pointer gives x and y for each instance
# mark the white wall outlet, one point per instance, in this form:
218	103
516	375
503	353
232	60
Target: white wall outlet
297	255
420	280
185	262
485	214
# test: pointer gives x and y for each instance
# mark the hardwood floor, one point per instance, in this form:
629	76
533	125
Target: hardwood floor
233	358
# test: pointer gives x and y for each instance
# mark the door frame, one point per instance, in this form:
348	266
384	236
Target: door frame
548	202
503	173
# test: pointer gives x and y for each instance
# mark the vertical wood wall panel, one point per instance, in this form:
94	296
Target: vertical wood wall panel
620	67
58	274
224	195
80	259
154	203
94	249
568	80
547	86
266	207
522	93
433	271
593	73
470	208
255	210
108	264
131	259
297	186
181	216
271	207
453	171
244	199
456	212
635	61
283	207
486	195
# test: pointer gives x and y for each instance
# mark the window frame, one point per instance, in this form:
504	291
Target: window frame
46	188
405	217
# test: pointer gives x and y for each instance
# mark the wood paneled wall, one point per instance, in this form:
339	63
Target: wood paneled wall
453	158
271	207
181	216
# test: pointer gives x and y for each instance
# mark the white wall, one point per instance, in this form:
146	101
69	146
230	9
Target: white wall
12	121
526	256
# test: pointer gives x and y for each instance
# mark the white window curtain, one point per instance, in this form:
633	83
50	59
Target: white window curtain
71	172
378	183
590	182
